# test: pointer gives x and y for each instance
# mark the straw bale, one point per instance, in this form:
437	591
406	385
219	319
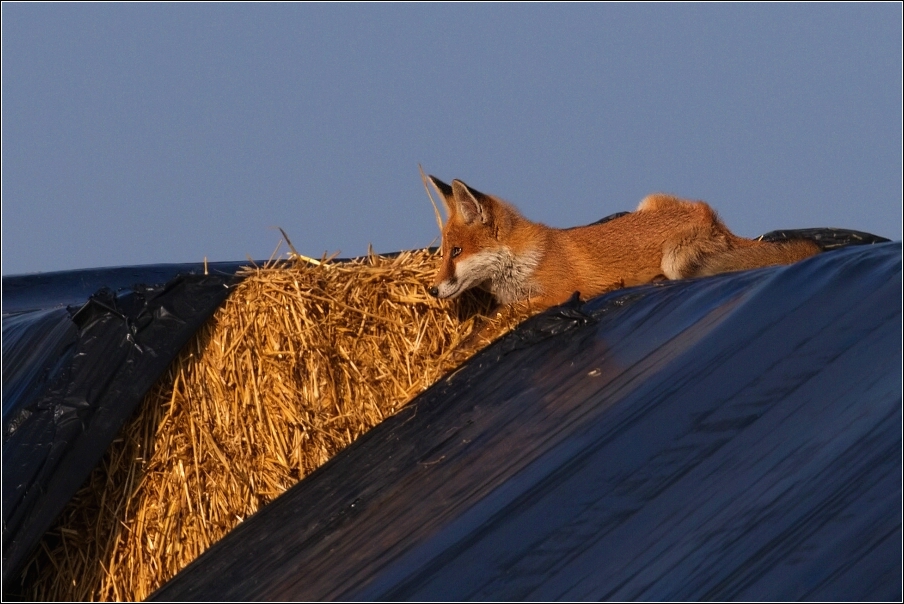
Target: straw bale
302	359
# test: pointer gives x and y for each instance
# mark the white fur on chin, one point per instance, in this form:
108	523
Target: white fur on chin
505	275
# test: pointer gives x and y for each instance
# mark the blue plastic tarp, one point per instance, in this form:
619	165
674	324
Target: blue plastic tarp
729	438
72	376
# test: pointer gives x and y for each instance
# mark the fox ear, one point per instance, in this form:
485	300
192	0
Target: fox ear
470	203
445	191
441	187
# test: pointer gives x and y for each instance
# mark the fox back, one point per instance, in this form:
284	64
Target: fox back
487	243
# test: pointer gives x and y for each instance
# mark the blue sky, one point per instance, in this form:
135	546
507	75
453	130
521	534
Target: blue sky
152	133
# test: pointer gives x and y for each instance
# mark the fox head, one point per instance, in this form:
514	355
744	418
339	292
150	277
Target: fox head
471	249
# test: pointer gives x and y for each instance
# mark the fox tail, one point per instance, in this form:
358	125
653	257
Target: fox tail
755	255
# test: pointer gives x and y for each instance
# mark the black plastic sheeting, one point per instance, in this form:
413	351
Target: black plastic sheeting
730	438
72	377
827	238
66	288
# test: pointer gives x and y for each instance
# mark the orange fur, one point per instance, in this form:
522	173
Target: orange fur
487	243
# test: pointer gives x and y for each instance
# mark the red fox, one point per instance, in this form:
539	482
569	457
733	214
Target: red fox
487	243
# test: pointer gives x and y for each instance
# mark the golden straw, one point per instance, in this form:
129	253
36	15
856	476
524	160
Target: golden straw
302	359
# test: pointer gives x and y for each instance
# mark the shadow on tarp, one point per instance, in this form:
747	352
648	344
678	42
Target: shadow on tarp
72	377
730	438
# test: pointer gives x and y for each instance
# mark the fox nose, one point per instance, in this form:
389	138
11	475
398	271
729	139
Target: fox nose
433	291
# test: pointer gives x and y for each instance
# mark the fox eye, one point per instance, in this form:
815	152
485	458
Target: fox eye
456	251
